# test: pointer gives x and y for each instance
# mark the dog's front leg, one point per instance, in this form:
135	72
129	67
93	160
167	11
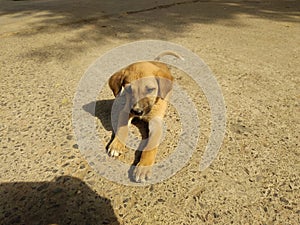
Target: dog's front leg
143	169
117	146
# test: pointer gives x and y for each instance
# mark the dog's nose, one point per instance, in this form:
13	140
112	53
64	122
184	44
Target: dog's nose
137	112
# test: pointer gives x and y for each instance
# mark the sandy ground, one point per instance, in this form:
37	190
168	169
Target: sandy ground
252	47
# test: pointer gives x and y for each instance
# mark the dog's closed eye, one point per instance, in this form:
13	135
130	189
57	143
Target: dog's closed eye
150	89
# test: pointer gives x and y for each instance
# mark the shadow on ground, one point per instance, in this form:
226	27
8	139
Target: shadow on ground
66	200
101	109
102	21
209	10
174	15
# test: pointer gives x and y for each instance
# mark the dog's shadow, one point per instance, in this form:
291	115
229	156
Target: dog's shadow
102	110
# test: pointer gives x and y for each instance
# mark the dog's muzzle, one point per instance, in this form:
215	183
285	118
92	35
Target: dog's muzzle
137	112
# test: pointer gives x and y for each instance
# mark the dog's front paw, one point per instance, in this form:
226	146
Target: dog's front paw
142	173
116	148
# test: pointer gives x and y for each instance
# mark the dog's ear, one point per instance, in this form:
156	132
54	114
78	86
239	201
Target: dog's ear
165	83
116	82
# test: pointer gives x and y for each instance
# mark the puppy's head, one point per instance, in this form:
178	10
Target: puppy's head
142	87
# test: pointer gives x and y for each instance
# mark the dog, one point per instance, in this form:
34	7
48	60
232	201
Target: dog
147	88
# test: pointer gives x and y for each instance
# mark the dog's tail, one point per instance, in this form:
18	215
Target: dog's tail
162	54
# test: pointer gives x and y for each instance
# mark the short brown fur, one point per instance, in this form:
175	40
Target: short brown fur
150	85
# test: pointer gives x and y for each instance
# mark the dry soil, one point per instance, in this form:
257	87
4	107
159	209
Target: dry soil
252	47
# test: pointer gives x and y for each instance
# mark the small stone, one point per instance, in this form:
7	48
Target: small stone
284	200
82	166
69	137
151	188
160	200
66	164
216	215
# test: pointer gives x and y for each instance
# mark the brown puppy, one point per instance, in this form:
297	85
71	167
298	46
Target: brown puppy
147	87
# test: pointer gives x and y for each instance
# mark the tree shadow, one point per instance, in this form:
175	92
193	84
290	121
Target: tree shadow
104	20
109	17
66	200
92	10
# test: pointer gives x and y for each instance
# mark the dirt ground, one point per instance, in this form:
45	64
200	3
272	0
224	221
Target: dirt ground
252	47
